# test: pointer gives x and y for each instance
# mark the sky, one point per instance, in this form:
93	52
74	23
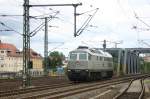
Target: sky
113	22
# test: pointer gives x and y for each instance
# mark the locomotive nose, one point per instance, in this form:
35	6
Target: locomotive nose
77	62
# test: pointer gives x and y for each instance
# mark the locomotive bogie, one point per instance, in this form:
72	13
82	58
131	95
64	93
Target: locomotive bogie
86	75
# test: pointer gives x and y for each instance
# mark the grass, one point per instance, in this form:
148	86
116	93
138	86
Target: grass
147	81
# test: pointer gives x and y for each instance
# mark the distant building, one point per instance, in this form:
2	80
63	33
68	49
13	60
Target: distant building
65	62
146	58
37	61
11	60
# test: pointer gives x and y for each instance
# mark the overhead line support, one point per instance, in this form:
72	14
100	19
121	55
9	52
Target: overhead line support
45	5
26	37
26	45
46	47
74	5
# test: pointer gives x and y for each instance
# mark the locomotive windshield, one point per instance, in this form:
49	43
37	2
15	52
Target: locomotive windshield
78	56
82	56
73	56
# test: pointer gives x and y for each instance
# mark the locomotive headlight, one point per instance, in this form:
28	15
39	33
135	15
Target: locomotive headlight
68	70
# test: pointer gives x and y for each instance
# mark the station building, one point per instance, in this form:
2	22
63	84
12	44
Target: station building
11	60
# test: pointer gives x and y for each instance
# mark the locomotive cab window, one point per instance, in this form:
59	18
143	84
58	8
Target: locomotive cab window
89	56
82	56
73	56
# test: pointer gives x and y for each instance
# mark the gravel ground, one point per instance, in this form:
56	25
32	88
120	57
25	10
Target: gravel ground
103	93
16	84
147	94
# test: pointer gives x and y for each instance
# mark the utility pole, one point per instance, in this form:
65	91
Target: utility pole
26	45
104	45
75	7
46	47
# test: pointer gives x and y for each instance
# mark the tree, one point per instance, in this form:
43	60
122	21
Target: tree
55	59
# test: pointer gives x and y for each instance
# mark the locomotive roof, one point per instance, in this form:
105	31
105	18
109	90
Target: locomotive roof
93	51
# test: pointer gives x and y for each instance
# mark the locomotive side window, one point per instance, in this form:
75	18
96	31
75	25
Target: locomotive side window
105	59
82	56
97	58
89	56
100	58
73	56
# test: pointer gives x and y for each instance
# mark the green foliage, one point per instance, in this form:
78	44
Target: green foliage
55	59
115	64
146	67
142	68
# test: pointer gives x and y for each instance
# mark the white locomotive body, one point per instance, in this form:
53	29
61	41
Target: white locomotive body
89	64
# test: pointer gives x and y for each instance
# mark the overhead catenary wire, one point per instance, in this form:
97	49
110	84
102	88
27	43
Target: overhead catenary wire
6	15
86	12
143	29
137	18
3	24
13	17
40	10
5	30
34	32
141	20
58	46
85	24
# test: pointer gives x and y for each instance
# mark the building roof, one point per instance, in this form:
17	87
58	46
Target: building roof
34	54
6	46
13	51
10	48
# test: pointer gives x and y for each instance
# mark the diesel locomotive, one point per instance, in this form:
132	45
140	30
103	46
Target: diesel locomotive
86	64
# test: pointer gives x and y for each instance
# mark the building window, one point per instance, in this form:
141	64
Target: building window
2	51
1	58
2	65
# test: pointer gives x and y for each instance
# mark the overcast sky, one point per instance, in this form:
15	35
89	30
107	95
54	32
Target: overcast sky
113	22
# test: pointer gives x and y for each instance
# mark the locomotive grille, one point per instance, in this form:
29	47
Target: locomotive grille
77	64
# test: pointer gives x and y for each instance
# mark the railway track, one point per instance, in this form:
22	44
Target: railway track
11	84
7	85
32	89
66	90
126	94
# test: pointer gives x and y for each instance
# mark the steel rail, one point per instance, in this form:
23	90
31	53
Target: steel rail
69	92
141	92
28	90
